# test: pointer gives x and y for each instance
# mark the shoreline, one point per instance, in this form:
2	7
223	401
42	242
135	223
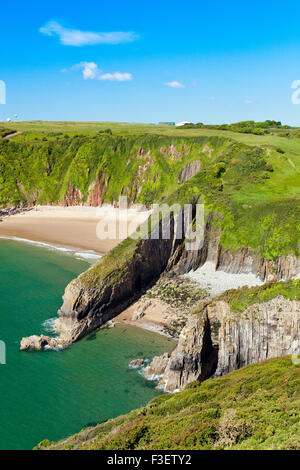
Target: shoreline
50	227
74	227
76	252
146	325
148	315
73	230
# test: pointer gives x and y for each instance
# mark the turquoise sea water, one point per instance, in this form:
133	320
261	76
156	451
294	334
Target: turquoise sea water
52	394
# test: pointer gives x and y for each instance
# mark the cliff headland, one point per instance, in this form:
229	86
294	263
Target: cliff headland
249	189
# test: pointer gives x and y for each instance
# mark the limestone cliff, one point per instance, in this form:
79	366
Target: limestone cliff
121	277
193	359
86	307
244	232
217	340
91	302
244	260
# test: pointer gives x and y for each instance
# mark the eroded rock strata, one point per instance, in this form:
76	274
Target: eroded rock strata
217	340
113	284
85	307
88	305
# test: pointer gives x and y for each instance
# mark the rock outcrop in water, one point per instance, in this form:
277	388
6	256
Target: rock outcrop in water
136	363
157	367
216	340
38	343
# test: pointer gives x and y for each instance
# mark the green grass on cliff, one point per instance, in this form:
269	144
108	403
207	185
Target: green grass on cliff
256	407
51	169
240	299
110	268
251	182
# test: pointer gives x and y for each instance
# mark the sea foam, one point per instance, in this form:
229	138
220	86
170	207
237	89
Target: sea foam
87	255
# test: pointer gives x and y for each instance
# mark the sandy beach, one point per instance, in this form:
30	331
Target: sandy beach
152	320
78	228
73	226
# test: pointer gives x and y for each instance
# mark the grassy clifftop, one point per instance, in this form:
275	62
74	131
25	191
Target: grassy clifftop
241	298
253	185
256	407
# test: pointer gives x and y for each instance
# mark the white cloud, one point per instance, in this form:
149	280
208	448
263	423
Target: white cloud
248	102
174	84
75	37
91	71
116	77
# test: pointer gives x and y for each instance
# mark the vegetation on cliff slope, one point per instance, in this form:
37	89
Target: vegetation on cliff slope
256	407
253	190
251	185
239	299
61	169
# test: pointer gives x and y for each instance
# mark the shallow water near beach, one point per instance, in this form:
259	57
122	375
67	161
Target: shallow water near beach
53	394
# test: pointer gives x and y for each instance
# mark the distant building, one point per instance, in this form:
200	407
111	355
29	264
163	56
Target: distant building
179	124
167	123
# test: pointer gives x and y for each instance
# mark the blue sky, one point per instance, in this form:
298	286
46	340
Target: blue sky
164	60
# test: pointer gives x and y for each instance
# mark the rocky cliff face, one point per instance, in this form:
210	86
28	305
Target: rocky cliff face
262	331
190	170
74	197
244	260
217	340
88	306
157	367
85	307
95	194
193	359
